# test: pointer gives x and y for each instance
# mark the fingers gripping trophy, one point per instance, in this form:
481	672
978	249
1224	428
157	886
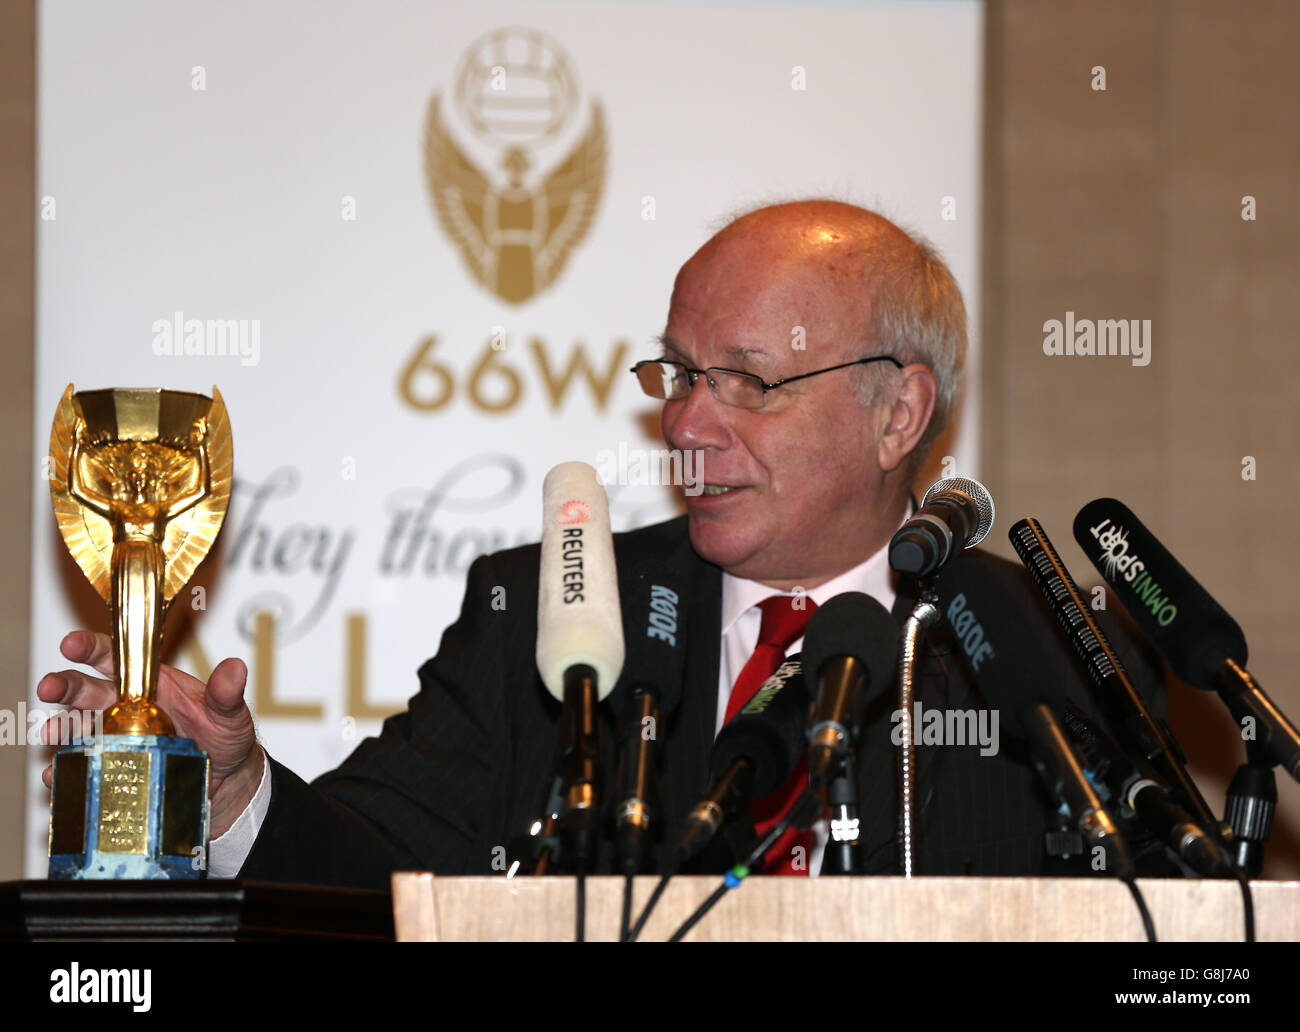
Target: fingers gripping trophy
141	482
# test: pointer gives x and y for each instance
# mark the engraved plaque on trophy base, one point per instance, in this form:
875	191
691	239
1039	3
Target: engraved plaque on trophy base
129	806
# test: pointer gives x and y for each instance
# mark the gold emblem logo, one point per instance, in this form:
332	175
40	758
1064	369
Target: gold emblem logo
515	90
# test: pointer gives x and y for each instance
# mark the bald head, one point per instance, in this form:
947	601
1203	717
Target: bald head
891	294
814	230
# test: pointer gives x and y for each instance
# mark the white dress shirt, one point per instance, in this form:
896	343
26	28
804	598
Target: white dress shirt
741	620
227	853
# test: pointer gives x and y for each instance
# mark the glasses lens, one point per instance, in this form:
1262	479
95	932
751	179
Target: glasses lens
739	389
663	380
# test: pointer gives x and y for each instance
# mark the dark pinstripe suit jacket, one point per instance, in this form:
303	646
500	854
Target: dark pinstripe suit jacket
465	769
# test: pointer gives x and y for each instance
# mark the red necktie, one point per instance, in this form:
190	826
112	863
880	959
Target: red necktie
784	619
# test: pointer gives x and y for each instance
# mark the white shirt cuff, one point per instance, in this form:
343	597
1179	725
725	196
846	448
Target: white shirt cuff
227	853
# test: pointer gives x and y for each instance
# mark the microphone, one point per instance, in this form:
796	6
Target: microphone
1059	767
1202	644
851	648
652	686
1131	781
1017	678
1115	690
579	633
955	513
755	753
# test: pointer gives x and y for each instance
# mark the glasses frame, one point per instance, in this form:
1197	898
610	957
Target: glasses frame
693	375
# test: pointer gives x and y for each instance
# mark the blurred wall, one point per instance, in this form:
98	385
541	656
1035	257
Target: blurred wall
1127	203
17	331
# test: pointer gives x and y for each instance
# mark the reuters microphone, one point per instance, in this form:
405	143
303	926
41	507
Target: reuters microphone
579	634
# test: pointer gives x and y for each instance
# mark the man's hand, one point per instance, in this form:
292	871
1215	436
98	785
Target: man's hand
214	715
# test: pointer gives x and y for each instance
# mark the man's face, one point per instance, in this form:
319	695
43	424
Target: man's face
801	473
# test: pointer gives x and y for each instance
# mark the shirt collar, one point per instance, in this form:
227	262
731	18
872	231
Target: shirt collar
872	576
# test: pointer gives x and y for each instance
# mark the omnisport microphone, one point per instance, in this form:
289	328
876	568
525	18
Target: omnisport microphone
650	689
755	753
579	633
1202	644
850	650
955	513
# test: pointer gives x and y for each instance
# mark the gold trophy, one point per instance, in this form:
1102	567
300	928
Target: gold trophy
141	482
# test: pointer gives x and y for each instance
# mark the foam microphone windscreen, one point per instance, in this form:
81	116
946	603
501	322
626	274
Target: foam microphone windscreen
1193	633
579	620
653	609
769	732
1013	652
853	624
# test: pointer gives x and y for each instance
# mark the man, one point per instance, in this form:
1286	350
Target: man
833	345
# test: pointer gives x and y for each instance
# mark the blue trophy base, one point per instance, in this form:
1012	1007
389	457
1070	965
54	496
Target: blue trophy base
129	806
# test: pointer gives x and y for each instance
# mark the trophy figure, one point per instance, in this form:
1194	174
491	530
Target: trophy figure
140	481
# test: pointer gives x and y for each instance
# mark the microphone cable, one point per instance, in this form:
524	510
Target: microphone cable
1147	924
580	932
626	921
803	811
649	907
1247	902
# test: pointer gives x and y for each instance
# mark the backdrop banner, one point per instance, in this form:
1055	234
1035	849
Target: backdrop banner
417	247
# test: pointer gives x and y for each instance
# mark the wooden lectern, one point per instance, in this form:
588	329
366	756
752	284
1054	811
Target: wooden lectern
889	909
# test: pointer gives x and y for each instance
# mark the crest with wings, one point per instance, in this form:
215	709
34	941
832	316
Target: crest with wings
514	237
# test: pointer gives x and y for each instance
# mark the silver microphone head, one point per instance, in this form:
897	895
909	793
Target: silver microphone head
977	493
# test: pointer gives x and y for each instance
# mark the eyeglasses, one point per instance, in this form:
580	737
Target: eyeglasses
673	381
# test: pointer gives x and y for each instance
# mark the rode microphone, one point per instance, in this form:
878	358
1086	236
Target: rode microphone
1202	644
755	753
1004	653
955	513
1025	687
651	687
850	650
579	634
1115	691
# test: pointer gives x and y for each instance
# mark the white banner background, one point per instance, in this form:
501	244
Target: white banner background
229	202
